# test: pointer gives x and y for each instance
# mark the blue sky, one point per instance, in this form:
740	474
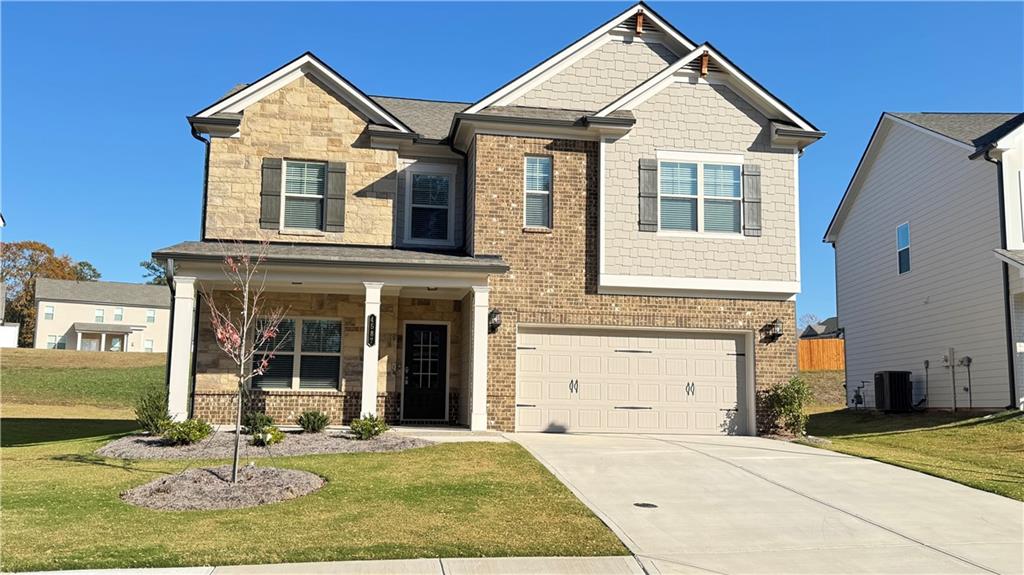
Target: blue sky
97	159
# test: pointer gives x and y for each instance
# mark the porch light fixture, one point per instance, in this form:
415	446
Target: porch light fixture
493	320
771	331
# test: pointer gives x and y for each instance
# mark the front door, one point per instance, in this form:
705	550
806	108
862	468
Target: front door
426	372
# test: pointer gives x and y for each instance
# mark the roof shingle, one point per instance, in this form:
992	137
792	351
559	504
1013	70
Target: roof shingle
975	129
116	293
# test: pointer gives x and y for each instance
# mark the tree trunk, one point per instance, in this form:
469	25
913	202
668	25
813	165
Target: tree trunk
238	437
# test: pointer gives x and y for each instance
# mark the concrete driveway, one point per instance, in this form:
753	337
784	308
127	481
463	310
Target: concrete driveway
750	505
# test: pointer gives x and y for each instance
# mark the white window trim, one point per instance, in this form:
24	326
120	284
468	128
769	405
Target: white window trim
285	195
898	249
549	193
150	316
118	314
147	345
48	312
701	158
435	169
298	354
100	315
52	341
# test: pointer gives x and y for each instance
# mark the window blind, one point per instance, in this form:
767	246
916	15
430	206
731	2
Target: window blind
304	179
430	204
537	203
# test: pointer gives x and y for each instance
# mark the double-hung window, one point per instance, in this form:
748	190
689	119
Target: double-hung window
48	312
99	315
305	184
307	356
537	202
429	191
118	314
51	342
700	195
150	316
147	345
903	248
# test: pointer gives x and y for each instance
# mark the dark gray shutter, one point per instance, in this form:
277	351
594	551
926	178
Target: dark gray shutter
648	195
751	200
270	194
334	219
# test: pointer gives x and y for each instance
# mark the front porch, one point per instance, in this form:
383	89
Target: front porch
406	344
100	337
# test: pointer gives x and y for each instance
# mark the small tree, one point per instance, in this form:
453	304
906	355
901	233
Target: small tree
247	332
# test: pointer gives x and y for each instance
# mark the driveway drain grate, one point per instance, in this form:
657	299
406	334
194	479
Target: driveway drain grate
645	505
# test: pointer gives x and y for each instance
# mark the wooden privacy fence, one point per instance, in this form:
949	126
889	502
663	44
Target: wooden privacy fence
821	355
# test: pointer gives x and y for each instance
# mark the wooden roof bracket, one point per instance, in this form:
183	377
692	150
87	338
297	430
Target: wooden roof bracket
704	64
639	23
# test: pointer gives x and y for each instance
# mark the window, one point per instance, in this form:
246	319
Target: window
51	342
147	345
903	248
118	314
537	204
698	196
304	186
308	355
150	316
48	312
429	217
99	315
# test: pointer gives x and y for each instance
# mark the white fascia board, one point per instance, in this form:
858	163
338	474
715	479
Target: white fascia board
697	287
305	64
567	56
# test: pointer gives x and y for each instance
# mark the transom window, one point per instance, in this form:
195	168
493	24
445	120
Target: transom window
118	314
48	312
308	355
304	189
150	316
698	196
537	203
99	315
903	248
429	194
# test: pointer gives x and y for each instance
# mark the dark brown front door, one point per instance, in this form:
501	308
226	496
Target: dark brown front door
426	372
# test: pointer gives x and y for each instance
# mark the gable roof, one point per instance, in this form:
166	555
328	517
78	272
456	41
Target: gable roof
576	47
825	327
115	293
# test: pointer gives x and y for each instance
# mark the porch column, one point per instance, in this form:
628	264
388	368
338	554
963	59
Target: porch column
371	348
180	353
103	342
478	375
78	346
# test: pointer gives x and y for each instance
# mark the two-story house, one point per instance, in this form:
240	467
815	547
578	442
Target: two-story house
929	246
608	242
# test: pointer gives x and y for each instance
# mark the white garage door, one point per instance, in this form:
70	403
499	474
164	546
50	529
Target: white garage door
630	382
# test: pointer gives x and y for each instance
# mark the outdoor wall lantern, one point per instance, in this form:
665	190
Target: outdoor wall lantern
771	331
493	320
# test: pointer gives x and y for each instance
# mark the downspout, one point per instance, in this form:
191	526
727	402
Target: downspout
206	180
1006	280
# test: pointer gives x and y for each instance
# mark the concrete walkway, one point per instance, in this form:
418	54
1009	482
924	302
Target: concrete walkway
750	505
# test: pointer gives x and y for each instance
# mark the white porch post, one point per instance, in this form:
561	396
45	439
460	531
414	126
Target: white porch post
182	324
78	346
371	348
478	377
103	342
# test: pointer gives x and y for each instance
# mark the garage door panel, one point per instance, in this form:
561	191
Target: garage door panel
648	392
675	367
557	390
590	391
648	420
677	420
648	366
530	391
617	365
617	420
618	391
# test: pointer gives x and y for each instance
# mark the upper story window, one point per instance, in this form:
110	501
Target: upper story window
537	202
700	196
308	355
903	247
99	315
118	314
150	316
304	189
429	191
48	312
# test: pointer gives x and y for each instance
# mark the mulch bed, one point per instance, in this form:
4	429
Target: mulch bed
211	488
222	444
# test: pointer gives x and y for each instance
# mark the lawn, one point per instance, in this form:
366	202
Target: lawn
826	388
984	452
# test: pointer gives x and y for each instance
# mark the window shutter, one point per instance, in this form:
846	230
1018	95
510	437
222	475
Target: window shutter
335	200
270	194
751	200
648	195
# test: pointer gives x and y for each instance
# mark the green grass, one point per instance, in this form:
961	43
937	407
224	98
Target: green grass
984	452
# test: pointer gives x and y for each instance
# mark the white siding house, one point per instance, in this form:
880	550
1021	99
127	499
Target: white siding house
917	275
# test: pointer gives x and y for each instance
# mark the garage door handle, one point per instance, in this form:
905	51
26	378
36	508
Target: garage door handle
632	407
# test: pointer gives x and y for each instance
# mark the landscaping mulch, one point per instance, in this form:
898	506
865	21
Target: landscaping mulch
211	488
222	444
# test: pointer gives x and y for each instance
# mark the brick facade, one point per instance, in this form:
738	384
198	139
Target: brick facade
553	276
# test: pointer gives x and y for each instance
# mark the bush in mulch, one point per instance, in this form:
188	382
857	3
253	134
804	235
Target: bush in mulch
211	488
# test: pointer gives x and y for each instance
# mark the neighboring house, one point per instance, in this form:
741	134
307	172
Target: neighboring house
825	329
607	242
933	197
101	316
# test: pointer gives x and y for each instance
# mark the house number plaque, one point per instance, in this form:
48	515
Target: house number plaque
371	330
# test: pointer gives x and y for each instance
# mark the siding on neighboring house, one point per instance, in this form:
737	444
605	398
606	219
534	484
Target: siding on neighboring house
65	314
600	77
700	118
952	297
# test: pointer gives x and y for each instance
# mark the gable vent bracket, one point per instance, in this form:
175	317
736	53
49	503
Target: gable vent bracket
639	23
704	64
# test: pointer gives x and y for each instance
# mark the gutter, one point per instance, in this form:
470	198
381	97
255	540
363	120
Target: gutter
1011	372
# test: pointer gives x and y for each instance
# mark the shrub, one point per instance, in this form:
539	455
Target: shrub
151	412
313	421
254	422
368	426
268	436
187	432
785	406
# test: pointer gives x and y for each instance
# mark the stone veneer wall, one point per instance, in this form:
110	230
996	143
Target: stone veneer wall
553	276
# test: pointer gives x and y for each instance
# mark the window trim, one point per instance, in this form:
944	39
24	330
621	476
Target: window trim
150	316
700	159
550	193
436	169
285	195
910	266
99	315
48	312
297	353
148	348
118	314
